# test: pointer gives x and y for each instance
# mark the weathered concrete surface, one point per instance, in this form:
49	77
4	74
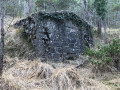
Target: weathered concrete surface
57	35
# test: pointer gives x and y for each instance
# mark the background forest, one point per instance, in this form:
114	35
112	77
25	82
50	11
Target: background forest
83	8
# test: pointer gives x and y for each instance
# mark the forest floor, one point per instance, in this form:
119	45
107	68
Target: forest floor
20	73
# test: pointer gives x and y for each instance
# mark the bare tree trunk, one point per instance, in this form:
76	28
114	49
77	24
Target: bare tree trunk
29	7
85	10
105	32
99	24
53	5
2	36
32	6
116	18
45	6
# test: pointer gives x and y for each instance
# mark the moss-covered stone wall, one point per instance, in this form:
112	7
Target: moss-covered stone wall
57	35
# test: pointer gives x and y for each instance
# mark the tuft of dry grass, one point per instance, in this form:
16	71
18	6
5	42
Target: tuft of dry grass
24	74
31	69
69	79
65	79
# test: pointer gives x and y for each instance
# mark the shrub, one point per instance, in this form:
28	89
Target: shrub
104	55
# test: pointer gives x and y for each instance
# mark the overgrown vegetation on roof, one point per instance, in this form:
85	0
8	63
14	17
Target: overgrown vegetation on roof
63	15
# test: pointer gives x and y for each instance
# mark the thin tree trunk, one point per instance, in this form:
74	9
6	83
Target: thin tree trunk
99	27
29	7
116	18
28	10
85	10
32	6
53	5
105	32
44	5
2	36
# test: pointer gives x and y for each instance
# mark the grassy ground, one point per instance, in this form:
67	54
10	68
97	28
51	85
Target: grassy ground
20	73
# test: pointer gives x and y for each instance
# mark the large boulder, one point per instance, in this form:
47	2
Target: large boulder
57	35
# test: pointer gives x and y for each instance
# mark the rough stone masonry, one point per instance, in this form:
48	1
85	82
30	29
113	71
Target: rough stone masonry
57	35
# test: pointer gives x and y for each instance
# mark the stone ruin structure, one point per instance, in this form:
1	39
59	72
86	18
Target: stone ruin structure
57	35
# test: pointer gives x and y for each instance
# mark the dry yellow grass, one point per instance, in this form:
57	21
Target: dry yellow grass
34	75
69	79
25	74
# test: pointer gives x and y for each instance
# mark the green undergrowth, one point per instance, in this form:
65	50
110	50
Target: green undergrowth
104	55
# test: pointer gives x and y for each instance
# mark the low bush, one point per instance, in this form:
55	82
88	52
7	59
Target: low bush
105	55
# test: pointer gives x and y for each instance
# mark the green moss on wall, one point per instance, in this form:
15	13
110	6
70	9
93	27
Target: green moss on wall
61	16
